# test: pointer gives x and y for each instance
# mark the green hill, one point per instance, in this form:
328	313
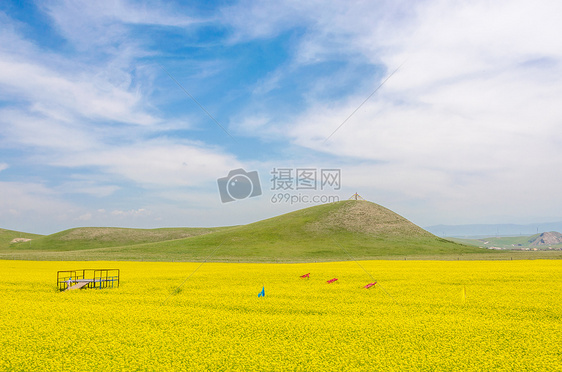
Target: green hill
83	238
8	236
336	231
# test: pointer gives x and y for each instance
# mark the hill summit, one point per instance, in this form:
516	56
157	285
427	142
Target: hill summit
368	218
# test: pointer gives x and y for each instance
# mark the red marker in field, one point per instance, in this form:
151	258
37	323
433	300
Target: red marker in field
306	276
332	280
370	285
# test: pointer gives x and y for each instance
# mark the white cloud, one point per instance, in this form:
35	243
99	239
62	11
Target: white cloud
24	129
74	94
141	212
163	163
429	196
84	217
25	196
32	207
92	188
3	166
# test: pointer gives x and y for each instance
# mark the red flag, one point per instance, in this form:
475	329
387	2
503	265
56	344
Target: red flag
332	280
306	276
370	285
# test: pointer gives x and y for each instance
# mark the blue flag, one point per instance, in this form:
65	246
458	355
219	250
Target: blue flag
262	293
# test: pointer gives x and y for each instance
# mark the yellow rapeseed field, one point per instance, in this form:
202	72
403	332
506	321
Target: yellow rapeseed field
423	315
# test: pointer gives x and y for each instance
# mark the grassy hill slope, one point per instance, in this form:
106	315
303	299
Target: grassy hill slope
6	237
358	229
336	231
83	238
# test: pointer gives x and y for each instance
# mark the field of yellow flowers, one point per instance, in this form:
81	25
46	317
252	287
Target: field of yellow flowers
422	315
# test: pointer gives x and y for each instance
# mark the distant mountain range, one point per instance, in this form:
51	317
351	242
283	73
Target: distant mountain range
551	240
491	230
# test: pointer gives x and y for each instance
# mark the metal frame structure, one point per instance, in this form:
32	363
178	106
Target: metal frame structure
88	278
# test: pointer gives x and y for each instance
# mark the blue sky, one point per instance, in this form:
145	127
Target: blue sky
95	131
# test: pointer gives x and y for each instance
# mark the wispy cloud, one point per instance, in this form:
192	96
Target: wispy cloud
93	188
135	213
70	94
105	23
32	207
162	162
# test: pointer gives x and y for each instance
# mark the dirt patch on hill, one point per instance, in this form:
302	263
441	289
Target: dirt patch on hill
20	240
111	234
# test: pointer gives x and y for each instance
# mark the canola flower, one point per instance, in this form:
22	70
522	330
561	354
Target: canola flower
431	316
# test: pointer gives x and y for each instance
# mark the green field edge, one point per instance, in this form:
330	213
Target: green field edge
80	256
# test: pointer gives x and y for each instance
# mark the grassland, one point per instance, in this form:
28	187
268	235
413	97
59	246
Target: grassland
421	316
7	236
336	231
